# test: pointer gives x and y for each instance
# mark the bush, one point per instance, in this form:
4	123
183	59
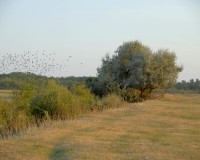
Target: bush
131	95
60	103
37	104
53	100
112	101
84	97
23	96
128	94
12	120
109	101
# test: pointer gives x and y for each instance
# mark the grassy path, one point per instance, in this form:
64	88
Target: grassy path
167	129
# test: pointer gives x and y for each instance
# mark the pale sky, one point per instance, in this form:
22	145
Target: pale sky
88	29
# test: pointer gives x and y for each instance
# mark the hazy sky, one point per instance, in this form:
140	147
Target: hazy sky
88	29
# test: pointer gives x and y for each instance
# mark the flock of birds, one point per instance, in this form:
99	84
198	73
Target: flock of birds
40	64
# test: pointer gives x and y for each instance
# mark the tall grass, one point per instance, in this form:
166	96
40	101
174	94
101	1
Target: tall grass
12	120
109	101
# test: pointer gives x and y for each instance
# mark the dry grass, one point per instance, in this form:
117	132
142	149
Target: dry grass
6	94
167	129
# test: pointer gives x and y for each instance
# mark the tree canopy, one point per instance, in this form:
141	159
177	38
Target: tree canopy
134	65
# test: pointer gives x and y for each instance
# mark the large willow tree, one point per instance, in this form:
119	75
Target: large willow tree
136	66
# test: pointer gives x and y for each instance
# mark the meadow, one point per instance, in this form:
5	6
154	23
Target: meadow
6	94
164	129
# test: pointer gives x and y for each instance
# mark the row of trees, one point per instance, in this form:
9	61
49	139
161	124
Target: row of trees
14	80
191	85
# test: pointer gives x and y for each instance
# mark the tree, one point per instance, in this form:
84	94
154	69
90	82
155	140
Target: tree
191	85
136	66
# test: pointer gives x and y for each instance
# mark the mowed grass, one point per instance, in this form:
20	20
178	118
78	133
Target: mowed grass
167	129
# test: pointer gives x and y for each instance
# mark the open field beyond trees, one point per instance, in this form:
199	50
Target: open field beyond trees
6	94
166	129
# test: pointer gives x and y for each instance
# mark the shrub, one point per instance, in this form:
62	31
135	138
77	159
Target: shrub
60	103
131	95
37	104
128	94
84	98
12	120
53	100
112	101
23	96
109	101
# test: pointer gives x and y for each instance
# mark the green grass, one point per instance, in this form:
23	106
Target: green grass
166	129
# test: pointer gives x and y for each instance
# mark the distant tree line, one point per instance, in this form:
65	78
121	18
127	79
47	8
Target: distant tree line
14	80
191	85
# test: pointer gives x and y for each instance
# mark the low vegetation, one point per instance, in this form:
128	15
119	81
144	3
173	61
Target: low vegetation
35	105
158	129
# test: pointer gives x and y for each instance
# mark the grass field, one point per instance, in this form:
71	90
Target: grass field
6	94
167	129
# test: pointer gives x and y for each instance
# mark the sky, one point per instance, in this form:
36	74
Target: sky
88	29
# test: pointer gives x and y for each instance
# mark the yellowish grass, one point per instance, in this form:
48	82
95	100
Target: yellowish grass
6	94
167	129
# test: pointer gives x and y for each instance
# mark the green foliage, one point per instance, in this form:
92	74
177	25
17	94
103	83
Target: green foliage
23	96
17	79
35	104
60	103
131	74
137	67
12	119
192	86
83	96
131	95
69	81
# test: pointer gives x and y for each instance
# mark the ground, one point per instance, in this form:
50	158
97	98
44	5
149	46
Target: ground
166	129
